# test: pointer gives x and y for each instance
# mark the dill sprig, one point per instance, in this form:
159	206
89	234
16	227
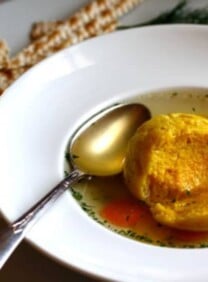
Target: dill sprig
179	14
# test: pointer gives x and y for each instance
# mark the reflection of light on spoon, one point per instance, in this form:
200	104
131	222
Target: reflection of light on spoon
108	138
101	147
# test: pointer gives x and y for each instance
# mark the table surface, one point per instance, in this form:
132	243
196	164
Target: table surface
27	263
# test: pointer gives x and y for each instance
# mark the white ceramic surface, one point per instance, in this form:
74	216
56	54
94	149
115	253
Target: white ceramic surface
38	114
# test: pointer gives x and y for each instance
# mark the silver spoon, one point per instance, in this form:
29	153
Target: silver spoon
97	148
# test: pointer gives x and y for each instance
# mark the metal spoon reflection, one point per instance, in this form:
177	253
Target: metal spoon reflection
97	148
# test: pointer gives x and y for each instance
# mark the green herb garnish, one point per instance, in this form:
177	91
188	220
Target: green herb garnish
67	156
77	195
179	14
66	173
174	94
75	156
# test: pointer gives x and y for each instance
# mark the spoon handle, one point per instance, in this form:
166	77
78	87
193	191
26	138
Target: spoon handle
11	236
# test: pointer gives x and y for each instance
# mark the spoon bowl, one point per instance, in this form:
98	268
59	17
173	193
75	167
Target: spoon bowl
98	148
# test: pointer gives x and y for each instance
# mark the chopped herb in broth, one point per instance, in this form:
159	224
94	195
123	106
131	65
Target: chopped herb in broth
108	201
98	193
174	94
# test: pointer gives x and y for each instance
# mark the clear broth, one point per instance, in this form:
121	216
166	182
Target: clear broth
94	194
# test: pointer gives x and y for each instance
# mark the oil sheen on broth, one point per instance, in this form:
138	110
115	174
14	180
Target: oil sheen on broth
108	201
